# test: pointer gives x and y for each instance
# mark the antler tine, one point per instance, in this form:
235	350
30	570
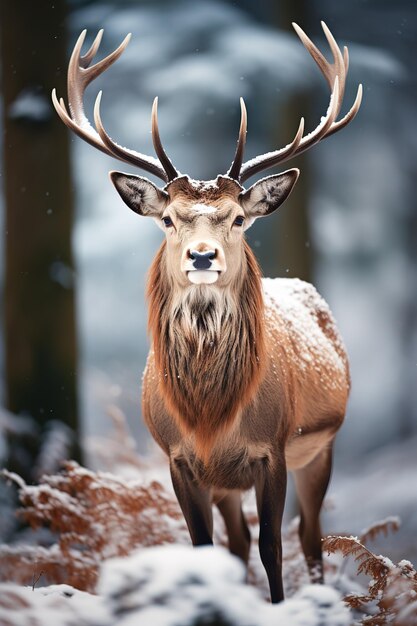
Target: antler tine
101	66
149	164
335	74
346	58
299	144
311	48
252	167
86	58
157	144
89	136
234	170
329	70
338	67
350	115
80	75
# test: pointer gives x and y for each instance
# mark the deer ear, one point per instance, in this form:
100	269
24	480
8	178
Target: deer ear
265	196
140	195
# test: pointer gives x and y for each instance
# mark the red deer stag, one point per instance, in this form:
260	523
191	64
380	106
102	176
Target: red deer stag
246	378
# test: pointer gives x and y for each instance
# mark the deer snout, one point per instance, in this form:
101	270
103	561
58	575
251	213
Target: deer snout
203	262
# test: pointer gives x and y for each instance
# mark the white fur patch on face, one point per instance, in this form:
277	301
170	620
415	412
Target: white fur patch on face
203	277
203	209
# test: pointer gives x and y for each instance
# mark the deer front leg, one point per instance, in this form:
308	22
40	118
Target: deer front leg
195	503
270	485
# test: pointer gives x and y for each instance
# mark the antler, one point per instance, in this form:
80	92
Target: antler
235	168
335	74
80	75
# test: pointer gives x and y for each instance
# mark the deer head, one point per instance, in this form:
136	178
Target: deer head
203	221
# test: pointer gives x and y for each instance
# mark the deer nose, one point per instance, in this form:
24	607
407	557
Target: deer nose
202	260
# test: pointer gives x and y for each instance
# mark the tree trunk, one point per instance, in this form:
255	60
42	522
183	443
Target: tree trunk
40	335
294	237
282	243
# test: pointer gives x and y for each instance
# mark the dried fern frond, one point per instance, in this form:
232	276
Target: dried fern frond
357	601
384	527
368	563
392	590
96	516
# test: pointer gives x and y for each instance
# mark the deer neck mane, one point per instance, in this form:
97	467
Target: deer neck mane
209	349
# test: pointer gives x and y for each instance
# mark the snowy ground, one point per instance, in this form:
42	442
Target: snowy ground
97	516
166	585
169	586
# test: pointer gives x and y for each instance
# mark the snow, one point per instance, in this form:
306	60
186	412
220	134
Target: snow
31	106
298	304
62	274
182	585
169	586
163	585
57	605
203	209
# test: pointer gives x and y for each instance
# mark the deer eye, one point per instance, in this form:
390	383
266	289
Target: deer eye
167	221
239	220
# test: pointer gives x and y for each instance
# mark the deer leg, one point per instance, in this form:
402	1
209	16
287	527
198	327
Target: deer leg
270	486
195	503
311	485
236	526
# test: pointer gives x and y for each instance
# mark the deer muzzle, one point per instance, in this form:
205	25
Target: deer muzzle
203	262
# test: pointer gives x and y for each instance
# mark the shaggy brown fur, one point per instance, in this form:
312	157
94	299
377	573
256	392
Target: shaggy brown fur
209	351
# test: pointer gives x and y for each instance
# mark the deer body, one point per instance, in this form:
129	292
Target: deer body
297	406
246	378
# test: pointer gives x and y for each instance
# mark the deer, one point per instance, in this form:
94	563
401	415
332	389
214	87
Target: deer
247	378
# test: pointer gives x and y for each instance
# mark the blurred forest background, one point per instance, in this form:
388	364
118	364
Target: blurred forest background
73	259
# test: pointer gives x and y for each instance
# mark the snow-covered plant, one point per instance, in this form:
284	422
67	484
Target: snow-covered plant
95	516
392	590
90	516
